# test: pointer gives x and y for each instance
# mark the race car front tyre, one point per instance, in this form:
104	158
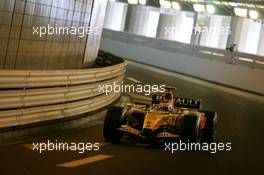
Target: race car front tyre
189	129
208	133
111	123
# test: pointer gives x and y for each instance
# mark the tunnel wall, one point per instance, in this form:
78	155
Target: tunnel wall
142	20
21	48
261	42
185	59
34	96
115	18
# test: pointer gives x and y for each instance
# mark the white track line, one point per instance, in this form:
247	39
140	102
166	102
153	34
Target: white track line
84	161
28	146
104	144
133	79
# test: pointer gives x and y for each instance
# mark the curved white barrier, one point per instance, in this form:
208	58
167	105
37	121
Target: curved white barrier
34	96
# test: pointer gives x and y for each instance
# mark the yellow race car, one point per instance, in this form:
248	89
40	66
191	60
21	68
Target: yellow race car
168	118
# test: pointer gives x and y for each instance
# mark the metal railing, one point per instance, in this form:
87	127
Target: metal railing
29	96
250	60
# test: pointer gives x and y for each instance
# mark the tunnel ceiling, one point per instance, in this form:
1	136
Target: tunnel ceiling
222	9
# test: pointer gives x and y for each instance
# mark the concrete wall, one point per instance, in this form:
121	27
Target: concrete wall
176	26
246	34
142	20
20	48
237	76
115	17
261	42
93	40
218	35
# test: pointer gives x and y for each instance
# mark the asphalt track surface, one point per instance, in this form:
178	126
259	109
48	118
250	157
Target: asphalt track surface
240	121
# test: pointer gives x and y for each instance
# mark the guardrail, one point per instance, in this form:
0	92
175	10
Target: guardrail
29	96
250	60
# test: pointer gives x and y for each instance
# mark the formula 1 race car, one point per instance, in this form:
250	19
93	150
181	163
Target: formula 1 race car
168	118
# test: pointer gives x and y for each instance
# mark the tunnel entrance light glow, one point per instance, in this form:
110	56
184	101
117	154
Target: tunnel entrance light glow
233	4
217	2
165	4
199	7
260	6
142	2
225	3
210	8
176	5
253	14
241	12
132	1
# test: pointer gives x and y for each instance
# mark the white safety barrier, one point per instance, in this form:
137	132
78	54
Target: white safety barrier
235	69
251	60
30	96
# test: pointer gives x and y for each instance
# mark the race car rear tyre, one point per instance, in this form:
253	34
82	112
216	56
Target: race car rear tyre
189	129
111	123
208	133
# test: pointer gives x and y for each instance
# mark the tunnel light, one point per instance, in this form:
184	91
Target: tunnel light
176	5
260	6
217	2
210	8
225	3
199	7
142	2
233	4
241	12
132	1
165	4
250	5
253	14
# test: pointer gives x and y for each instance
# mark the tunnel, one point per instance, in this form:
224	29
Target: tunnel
131	87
